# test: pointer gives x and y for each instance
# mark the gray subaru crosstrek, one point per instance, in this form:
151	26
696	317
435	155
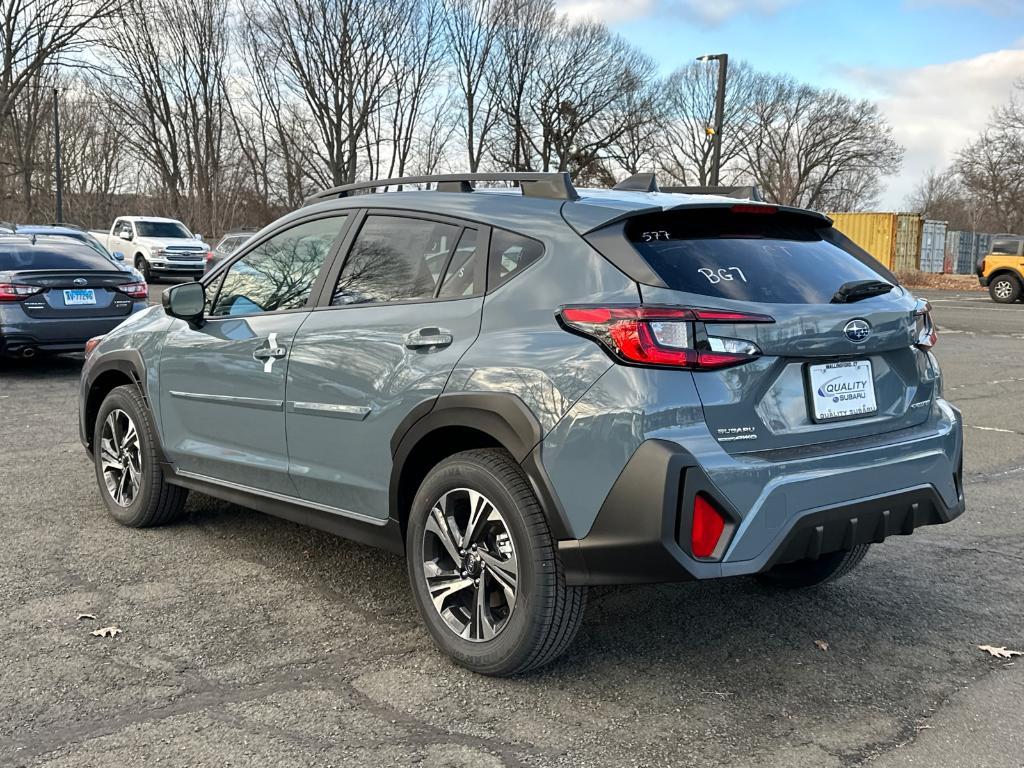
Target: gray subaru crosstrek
527	391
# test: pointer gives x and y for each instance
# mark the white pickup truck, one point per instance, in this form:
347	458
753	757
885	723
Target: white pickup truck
156	246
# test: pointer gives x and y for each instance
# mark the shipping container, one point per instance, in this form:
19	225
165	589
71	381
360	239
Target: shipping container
908	242
933	246
965	249
874	232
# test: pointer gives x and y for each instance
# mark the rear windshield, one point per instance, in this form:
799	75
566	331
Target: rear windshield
775	258
68	255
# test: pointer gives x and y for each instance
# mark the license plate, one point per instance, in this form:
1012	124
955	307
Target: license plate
79	296
841	390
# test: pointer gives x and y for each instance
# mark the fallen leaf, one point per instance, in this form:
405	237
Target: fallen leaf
86	616
107	631
999	653
821	645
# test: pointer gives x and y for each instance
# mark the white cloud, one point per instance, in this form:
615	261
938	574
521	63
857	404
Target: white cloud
703	12
936	110
609	11
996	7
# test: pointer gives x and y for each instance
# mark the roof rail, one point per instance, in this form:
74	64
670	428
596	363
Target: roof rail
553	186
740	192
639	182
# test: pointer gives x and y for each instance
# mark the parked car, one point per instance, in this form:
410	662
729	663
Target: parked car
227	245
1002	269
157	246
56	293
83	236
526	394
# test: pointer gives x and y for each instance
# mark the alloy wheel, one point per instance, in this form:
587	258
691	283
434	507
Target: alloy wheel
1003	289
121	457
470	565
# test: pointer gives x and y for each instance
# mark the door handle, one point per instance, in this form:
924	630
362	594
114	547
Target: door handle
423	338
264	353
268	354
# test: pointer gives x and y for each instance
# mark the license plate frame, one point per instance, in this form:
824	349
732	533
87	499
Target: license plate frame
852	382
80	297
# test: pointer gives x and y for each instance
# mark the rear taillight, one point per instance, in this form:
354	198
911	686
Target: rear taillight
17	291
707	527
135	290
925	334
209	256
674	337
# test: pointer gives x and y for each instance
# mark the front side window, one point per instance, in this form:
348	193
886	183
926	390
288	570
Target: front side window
278	273
395	259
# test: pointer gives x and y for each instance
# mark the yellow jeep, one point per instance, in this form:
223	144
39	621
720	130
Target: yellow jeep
1002	269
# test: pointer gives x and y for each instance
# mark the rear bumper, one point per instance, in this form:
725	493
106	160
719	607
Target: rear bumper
18	333
641	533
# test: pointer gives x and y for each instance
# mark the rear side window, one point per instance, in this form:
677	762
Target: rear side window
68	255
774	258
1007	246
463	276
395	259
510	254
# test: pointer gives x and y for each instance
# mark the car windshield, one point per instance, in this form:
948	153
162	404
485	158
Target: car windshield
54	254
168	229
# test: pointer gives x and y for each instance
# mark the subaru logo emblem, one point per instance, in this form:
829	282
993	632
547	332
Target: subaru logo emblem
80	281
857	330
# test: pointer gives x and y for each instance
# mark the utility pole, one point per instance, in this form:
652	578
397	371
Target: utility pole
716	147
58	172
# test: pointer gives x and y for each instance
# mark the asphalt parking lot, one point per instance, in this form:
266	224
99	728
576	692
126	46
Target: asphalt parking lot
250	640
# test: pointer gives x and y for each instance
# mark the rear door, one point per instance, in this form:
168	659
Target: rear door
222	383
396	318
829	370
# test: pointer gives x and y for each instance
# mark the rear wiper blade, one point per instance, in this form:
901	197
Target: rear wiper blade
860	289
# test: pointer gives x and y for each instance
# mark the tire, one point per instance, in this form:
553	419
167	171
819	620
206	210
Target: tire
1004	289
143	266
153	501
809	573
503	638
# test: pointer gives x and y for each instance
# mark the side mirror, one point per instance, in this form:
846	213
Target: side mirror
197	236
185	301
118	256
126	234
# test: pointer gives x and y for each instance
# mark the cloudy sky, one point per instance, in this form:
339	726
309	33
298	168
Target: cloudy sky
936	67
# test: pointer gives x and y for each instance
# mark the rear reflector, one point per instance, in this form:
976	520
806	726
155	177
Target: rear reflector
707	527
662	336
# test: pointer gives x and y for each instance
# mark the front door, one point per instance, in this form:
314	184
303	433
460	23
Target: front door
222	383
404	309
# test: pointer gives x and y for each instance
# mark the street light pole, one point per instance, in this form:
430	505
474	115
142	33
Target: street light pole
58	172
716	147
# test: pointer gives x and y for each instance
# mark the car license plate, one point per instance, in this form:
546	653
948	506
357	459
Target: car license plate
841	390
79	296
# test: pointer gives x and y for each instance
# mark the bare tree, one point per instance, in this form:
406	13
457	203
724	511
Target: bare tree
39	33
818	149
688	101
471	37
